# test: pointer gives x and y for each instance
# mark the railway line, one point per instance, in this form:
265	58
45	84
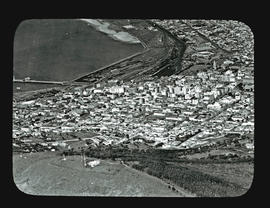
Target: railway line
153	61
162	55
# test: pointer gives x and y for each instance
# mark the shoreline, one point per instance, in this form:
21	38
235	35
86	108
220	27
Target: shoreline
118	36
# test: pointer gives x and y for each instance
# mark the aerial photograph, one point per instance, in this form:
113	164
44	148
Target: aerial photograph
133	107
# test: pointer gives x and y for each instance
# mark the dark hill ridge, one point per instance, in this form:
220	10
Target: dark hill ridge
60	50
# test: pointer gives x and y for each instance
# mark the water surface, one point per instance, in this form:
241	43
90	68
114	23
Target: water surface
61	50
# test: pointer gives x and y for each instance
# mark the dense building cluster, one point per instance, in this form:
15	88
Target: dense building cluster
204	37
209	105
180	111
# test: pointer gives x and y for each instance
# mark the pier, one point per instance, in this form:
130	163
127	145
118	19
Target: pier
37	81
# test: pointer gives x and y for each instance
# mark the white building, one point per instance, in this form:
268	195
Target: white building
93	163
117	89
215	106
177	90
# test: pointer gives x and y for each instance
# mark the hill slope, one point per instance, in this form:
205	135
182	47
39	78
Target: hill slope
69	178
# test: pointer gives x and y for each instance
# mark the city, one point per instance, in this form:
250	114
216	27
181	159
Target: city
205	110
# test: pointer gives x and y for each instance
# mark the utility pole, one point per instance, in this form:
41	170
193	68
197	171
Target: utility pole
84	161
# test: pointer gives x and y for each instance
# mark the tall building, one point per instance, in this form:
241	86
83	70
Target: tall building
177	90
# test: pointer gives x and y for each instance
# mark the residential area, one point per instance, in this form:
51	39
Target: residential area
206	106
180	113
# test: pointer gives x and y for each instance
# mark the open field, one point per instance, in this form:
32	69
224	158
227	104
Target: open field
204	178
68	177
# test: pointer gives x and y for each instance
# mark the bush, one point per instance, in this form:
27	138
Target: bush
138	167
